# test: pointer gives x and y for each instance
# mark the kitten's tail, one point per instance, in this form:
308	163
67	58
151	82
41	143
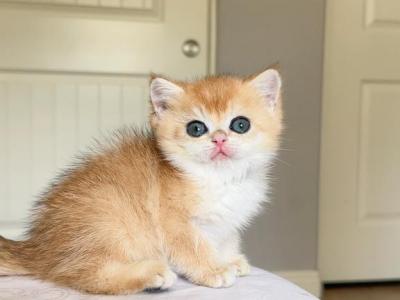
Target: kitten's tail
9	262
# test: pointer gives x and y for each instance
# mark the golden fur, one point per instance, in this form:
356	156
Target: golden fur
119	220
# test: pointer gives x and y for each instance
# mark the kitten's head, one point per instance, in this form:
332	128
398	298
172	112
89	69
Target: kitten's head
217	121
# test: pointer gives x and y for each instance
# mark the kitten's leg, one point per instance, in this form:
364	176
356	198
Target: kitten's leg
194	257
241	264
118	278
230	251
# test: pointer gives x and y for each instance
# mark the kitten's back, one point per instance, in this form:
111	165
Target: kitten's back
104	206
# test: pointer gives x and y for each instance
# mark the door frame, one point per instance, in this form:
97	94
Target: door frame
212	36
324	97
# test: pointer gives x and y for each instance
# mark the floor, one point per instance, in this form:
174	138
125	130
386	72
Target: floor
371	291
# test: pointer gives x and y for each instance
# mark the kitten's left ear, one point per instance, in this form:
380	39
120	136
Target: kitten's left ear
268	84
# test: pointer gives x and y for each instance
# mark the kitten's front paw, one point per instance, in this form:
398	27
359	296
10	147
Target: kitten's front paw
241	265
163	280
225	277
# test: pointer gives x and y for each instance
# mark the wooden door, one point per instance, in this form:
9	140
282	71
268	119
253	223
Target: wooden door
71	70
359	235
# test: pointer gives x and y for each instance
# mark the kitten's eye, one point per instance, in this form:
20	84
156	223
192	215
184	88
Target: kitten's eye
240	125
196	128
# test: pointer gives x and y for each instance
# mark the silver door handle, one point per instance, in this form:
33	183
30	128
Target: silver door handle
191	48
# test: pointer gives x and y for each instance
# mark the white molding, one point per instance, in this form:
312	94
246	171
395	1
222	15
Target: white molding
308	280
154	13
212	37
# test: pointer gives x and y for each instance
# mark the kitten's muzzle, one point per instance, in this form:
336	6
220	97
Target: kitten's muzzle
219	138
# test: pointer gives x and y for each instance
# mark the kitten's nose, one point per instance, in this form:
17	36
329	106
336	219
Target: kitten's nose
219	137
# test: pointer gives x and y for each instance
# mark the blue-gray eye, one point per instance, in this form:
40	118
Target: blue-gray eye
196	128
240	125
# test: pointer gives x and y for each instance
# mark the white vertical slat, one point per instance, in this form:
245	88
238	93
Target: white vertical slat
43	136
110	107
19	150
66	127
88	114
4	197
134	105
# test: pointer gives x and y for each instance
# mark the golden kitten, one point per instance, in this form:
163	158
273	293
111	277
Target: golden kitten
148	206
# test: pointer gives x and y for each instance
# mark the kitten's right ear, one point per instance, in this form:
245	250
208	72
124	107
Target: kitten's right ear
163	91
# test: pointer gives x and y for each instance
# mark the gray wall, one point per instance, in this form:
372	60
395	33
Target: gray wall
251	35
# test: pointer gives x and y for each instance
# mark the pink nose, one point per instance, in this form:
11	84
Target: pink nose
219	138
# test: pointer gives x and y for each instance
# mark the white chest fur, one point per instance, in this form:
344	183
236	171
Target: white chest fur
228	205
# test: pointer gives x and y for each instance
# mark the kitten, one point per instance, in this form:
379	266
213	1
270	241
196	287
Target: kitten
145	207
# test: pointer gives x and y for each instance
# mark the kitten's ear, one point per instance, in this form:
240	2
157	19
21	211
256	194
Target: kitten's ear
161	92
268	84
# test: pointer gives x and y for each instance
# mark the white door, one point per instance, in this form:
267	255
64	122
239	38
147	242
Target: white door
71	70
359	235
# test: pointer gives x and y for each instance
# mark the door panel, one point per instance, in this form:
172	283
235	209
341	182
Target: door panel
360	152
46	119
98	39
379	160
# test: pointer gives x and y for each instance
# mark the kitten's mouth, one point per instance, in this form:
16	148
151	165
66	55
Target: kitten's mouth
220	153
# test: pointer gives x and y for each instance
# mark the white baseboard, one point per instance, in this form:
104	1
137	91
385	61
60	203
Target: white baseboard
306	279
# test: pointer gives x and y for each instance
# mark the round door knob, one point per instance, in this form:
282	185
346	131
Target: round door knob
191	48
